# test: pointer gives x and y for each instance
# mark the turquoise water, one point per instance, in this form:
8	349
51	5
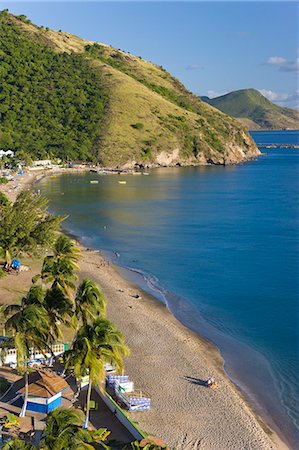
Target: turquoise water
219	245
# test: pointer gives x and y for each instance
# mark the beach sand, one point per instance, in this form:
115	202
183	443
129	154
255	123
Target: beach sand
168	363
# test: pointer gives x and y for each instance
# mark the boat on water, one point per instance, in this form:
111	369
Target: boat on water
145	173
122	182
94	181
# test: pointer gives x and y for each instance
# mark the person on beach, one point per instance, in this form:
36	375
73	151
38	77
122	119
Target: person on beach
211	383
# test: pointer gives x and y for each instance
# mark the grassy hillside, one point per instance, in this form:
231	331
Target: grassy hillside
64	96
254	110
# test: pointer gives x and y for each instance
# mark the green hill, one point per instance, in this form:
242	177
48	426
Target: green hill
254	110
63	96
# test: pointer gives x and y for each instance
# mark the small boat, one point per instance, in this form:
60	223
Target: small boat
122	182
94	181
145	173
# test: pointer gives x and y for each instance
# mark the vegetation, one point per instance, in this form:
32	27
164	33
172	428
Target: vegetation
64	431
254	110
89	302
59	268
35	323
61	97
94	345
30	329
51	103
26	224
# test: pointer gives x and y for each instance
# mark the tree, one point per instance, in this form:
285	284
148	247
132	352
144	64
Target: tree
30	328
89	301
59	268
3	199
18	444
58	306
94	345
64	432
26	224
146	444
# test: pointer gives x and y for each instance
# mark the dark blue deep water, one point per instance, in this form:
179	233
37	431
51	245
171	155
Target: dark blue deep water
219	245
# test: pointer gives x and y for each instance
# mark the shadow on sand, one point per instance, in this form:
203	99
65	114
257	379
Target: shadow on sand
197	381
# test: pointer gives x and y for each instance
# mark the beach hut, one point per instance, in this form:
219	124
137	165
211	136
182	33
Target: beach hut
45	391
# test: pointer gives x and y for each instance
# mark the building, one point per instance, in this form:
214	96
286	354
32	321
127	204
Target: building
6	153
44	391
9	355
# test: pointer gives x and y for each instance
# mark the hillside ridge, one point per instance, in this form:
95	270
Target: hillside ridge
66	97
254	110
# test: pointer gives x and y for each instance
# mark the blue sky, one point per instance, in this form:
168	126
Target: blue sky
212	47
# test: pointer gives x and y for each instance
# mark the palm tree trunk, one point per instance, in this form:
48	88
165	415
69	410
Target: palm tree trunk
87	405
23	411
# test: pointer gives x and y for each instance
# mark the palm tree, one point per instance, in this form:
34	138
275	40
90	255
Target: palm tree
18	444
59	268
59	308
94	345
89	301
64	431
57	304
35	296
30	328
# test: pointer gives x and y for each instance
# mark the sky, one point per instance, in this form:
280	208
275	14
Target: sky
212	47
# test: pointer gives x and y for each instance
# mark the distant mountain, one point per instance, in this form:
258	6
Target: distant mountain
66	97
254	110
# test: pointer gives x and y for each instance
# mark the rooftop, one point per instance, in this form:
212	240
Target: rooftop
43	384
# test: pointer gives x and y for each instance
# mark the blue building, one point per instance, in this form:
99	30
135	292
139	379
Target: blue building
44	391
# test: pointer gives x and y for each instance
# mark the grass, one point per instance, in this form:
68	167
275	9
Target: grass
256	111
148	111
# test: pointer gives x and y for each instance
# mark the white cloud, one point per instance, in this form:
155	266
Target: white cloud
283	64
276	60
291	66
290	100
273	96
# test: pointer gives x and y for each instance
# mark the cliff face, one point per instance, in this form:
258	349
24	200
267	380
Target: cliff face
71	98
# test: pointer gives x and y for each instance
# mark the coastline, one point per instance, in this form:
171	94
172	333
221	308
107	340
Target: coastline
184	413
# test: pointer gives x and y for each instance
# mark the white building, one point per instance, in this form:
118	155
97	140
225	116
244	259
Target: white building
9	153
8	356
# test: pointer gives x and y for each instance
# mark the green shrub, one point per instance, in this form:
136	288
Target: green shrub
56	102
137	126
3	180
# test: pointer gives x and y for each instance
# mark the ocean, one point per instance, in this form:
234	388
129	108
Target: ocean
219	246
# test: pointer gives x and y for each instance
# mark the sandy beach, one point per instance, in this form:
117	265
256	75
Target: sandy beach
168	362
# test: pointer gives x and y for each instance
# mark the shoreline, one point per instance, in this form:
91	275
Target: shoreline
203	358
227	408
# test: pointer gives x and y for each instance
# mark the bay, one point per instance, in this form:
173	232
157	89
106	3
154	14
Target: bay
218	245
